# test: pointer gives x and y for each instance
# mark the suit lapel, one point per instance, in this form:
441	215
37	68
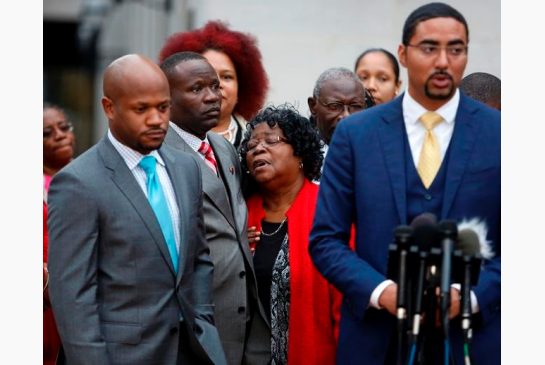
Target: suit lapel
392	135
463	139
128	186
227	171
230	172
212	185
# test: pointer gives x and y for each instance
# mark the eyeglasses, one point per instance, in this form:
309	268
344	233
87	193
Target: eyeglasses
268	141
64	127
338	107
433	50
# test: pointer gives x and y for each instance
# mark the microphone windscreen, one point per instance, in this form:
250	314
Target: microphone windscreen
449	227
468	242
426	237
403	235
424	219
480	228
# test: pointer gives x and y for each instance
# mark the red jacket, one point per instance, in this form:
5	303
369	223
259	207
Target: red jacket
314	312
51	340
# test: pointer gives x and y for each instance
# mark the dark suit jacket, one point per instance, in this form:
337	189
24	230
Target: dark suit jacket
239	316
364	182
114	292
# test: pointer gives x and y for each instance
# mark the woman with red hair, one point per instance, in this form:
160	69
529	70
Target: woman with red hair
237	61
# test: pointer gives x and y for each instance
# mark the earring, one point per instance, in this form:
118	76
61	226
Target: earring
301	164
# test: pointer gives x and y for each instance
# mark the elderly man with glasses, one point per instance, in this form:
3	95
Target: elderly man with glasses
337	94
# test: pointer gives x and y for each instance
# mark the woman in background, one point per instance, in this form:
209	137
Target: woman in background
378	71
237	61
281	151
58	151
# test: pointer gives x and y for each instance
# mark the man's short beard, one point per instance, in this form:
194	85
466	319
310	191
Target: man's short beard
428	93
440	96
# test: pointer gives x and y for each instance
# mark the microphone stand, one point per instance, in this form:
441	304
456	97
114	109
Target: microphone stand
419	296
428	350
402	237
450	233
466	308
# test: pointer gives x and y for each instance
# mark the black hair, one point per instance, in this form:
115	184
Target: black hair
482	86
430	11
170	63
388	54
48	105
299	133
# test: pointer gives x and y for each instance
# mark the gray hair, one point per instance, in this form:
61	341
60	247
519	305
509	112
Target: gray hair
335	73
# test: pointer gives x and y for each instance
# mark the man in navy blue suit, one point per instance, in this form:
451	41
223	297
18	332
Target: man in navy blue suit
376	177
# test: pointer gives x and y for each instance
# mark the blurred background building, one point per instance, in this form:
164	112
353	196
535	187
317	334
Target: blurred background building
298	40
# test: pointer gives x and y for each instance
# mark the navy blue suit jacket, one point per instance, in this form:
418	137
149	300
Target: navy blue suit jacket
364	183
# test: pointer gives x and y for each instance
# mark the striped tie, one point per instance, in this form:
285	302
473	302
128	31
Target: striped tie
430	155
209	158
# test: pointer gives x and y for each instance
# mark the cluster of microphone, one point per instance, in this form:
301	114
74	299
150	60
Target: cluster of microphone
425	259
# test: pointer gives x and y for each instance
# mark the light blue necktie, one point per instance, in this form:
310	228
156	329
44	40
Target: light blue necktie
158	202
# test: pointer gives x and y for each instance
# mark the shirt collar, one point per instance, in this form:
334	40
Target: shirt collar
193	141
131	157
412	110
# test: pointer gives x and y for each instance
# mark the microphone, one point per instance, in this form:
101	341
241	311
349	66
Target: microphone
424	219
468	244
449	231
480	228
426	237
402	236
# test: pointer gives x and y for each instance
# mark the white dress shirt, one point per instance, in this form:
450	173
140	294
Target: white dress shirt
132	158
193	141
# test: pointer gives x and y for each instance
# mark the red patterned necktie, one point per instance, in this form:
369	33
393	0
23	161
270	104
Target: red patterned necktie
209	158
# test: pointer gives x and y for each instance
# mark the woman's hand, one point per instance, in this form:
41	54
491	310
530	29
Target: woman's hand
46	286
253	238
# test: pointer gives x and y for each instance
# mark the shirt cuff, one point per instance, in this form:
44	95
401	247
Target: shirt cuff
474	304
375	295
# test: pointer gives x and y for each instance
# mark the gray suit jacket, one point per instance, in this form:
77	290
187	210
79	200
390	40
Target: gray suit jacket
240	319
113	289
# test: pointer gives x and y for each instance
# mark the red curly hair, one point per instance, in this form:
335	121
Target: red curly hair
241	48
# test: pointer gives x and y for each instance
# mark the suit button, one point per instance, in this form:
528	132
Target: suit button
427	196
241	310
242	274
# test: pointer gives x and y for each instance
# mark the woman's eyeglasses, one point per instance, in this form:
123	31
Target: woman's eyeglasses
268	141
64	127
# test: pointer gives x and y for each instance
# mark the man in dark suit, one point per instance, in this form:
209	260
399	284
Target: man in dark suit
196	100
385	167
130	272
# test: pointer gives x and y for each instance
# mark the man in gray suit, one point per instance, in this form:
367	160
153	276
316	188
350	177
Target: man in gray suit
130	272
196	101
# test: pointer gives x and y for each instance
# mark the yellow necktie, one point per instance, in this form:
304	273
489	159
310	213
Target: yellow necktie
430	155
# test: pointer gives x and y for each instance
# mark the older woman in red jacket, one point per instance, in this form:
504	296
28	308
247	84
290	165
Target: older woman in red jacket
281	153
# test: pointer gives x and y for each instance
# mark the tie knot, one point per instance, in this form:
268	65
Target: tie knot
147	163
430	120
205	148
